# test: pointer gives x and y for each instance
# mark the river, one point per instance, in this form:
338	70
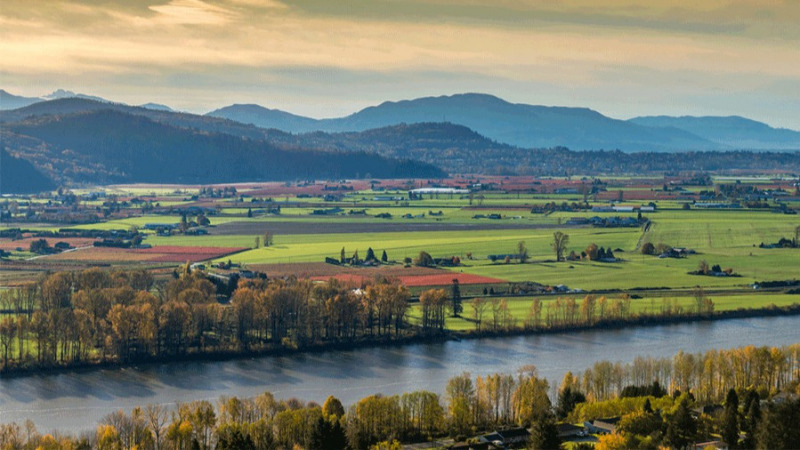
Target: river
76	400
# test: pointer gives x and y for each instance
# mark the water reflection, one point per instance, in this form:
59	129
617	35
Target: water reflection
76	400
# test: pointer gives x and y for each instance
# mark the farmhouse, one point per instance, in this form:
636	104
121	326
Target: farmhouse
577	221
501	257
717	205
506	438
327	212
568	430
614	222
602	426
160	226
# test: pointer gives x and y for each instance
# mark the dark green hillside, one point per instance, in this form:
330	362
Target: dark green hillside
133	148
18	176
66	106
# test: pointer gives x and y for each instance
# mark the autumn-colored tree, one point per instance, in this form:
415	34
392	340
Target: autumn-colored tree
592	252
461	400
332	407
478	306
424	259
560	242
433	303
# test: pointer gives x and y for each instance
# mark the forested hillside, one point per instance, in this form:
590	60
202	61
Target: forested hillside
110	146
18	176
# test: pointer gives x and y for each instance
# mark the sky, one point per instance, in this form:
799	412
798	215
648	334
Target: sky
327	58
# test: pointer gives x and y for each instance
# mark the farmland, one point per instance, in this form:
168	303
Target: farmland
309	222
171	274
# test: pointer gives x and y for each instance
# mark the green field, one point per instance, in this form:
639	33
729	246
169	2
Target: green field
727	238
519	307
315	247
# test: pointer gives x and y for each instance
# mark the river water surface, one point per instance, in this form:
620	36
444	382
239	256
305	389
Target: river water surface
75	401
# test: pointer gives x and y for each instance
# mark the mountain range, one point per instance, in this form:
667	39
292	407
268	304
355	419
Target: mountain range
531	126
83	140
732	131
103	144
520	125
10	101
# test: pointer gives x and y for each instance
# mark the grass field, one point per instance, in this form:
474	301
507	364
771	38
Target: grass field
520	306
726	238
481	243
729	238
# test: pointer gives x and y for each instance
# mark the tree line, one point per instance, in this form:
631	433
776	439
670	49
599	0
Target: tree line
650	416
96	316
100	316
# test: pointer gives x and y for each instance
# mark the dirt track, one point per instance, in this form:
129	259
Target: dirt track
307	227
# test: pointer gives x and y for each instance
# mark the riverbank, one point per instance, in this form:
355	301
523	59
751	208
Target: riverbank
76	400
419	337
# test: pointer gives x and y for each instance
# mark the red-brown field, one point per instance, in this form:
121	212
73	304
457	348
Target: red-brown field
100	254
155	254
412	277
164	253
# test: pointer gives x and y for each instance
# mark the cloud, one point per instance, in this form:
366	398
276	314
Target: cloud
293	47
194	12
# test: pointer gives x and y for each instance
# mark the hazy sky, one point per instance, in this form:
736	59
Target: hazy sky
326	58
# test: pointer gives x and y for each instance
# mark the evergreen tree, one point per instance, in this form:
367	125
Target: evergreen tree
370	255
751	418
730	420
342	257
336	439
567	399
681	427
647	407
544	433
231	437
456	298
779	426
384	257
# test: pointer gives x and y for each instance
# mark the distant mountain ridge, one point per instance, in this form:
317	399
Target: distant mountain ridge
732	131
74	141
266	118
521	125
157	107
62	93
10	101
531	126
